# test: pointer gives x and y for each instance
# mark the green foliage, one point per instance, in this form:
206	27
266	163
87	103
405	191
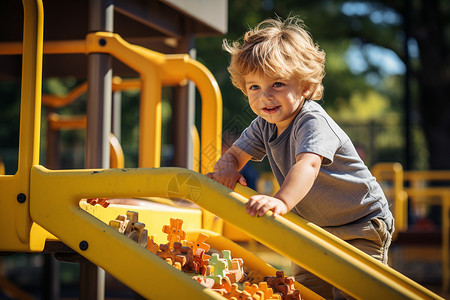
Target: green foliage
363	107
349	97
368	98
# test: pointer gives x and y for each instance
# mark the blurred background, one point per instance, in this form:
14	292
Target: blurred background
387	80
387	85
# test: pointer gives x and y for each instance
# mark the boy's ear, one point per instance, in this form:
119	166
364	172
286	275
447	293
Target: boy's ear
308	90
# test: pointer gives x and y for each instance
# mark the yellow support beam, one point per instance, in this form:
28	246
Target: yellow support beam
16	222
156	69
356	259
132	264
55	206
394	172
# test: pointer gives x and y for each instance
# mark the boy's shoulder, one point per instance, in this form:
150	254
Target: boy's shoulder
310	110
312	106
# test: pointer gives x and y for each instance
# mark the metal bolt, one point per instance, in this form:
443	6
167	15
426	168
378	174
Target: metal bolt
84	245
102	42
21	198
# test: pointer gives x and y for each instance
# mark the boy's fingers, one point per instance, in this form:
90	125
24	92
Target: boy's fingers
242	180
231	184
257	205
276	211
251	202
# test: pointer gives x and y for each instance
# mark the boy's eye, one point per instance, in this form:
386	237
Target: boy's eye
278	84
253	87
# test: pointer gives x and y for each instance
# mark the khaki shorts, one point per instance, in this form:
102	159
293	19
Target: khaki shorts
371	237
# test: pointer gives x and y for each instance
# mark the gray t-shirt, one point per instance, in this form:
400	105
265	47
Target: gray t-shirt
344	192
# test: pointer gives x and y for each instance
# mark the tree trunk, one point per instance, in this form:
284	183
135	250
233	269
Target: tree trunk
434	81
435	106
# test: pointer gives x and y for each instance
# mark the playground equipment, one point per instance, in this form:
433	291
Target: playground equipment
46	205
414	186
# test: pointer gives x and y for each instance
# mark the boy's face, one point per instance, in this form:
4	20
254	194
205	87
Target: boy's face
275	100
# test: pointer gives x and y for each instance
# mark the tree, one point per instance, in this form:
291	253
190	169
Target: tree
426	25
337	25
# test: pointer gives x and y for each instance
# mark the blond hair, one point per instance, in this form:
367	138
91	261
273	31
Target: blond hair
278	49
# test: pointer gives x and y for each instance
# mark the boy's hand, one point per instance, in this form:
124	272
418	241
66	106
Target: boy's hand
258	205
228	178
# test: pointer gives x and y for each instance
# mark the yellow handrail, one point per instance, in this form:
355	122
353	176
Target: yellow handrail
15	188
58	122
61	101
118	84
117	159
394	171
156	69
439	195
55	200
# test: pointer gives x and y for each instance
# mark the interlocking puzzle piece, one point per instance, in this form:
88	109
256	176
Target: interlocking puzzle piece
283	285
235	293
227	255
200	261
219	264
177	265
235	269
118	225
295	295
260	291
165	252
132	218
250	288
128	224
133	235
142	237
223	286
174	231
178	256
100	201
268	292
200	243
151	245
205	281
185	256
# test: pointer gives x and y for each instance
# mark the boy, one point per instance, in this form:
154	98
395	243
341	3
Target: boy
322	178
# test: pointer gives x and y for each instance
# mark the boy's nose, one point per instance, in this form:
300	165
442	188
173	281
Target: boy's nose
266	95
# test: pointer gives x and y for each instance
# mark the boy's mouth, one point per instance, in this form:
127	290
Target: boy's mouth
271	109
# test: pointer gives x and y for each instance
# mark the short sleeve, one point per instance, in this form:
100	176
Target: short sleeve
251	140
314	134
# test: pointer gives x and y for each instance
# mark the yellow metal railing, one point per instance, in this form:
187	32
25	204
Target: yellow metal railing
421	193
51	198
58	122
395	192
15	189
55	200
118	84
155	69
414	185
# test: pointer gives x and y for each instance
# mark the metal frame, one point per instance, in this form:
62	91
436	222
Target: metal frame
51	199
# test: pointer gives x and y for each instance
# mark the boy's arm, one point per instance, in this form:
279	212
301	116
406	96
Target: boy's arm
297	184
226	169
